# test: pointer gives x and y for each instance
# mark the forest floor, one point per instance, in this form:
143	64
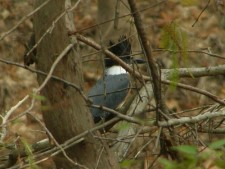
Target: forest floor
15	83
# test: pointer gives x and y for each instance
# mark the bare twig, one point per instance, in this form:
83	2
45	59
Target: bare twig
196	90
3	35
113	19
121	116
44	144
137	106
171	122
190	51
195	119
220	71
110	55
49	30
195	72
7	116
132	141
63	53
45	74
201	13
148	53
213	131
57	144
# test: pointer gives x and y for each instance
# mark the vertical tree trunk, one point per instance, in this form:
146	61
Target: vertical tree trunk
111	9
121	24
66	113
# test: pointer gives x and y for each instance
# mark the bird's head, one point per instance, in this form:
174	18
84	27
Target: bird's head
121	49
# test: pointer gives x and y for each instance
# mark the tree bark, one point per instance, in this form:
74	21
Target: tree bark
65	112
113	30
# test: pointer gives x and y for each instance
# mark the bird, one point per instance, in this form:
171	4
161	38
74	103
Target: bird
111	90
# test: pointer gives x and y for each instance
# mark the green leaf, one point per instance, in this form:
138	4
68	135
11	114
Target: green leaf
38	97
175	41
220	163
30	156
127	163
186	149
168	164
175	78
217	144
123	126
45	108
17	121
189	2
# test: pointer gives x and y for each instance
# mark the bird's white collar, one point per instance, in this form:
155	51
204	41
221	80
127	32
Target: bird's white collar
115	70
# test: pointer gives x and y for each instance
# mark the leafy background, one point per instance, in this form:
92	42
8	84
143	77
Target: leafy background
169	26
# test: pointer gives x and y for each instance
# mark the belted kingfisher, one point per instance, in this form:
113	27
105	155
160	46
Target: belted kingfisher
111	90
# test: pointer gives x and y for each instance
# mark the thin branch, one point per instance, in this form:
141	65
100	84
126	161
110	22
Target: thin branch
196	90
40	146
45	74
213	131
170	122
119	115
49	30
7	116
131	142
194	72
3	35
192	119
148	53
201	13
113	19
139	76
190	51
112	56
185	72
57	144
137	106
62	54
143	147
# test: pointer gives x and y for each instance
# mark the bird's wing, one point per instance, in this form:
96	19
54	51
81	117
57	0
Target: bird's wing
110	92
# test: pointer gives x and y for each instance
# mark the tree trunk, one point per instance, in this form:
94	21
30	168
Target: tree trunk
112	9
65	114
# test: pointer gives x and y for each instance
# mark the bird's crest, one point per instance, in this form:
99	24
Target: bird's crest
122	48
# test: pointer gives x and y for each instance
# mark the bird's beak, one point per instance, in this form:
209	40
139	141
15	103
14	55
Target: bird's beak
139	61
